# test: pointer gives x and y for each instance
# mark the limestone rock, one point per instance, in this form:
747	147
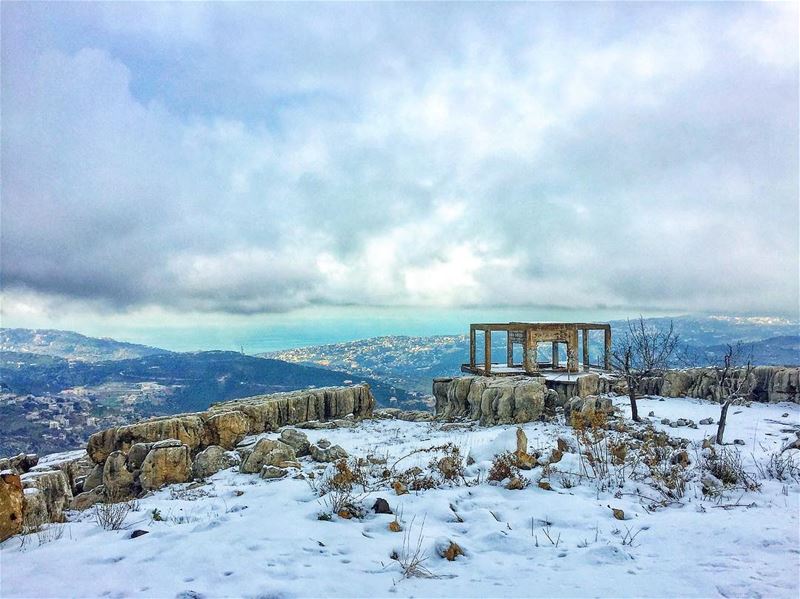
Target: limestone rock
11	504
166	465
270	412
267	452
211	460
297	440
270	472
94	478
34	509
20	463
186	428
55	491
226	429
491	400
137	453
87	499
117	479
332	453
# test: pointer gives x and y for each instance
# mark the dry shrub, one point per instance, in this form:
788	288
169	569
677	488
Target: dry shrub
504	466
666	477
411	557
337	486
779	467
726	465
111	514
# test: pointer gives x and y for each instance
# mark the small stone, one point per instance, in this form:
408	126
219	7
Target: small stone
399	488
139	533
382	506
394	526
323	443
451	551
738	442
680	458
345	513
618	513
270	472
681	422
544	484
665	421
515	484
651	414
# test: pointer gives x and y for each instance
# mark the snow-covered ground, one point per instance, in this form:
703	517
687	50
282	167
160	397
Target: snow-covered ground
241	536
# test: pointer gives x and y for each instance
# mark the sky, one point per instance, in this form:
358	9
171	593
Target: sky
220	164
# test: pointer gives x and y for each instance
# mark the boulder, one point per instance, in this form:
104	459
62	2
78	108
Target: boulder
20	463
226	429
87	499
94	479
491	400
297	440
269	472
331	453
11	504
34	510
166	465
117	479
267	452
54	488
186	428
137	453
211	460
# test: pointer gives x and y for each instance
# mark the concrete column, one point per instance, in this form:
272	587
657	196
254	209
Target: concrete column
487	350
509	350
585	349
555	354
471	347
531	359
572	351
607	343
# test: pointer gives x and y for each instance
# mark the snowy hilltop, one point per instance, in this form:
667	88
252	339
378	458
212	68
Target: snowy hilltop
391	503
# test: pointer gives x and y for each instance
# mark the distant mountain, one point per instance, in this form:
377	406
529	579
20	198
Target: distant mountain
411	362
195	380
48	403
776	351
71	345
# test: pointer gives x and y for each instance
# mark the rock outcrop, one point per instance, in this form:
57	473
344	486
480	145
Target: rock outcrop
491	400
770	383
267	452
48	490
166	463
11	504
211	460
139	457
225	424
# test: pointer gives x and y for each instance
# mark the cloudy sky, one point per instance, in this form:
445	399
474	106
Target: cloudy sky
210	160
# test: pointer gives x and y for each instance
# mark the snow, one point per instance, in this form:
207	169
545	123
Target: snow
243	536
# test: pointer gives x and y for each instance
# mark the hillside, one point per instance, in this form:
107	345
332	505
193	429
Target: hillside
71	345
51	404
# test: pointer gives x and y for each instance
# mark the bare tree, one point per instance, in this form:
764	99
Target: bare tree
641	352
732	380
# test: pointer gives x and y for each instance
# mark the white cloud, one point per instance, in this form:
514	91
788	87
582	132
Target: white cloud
439	157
